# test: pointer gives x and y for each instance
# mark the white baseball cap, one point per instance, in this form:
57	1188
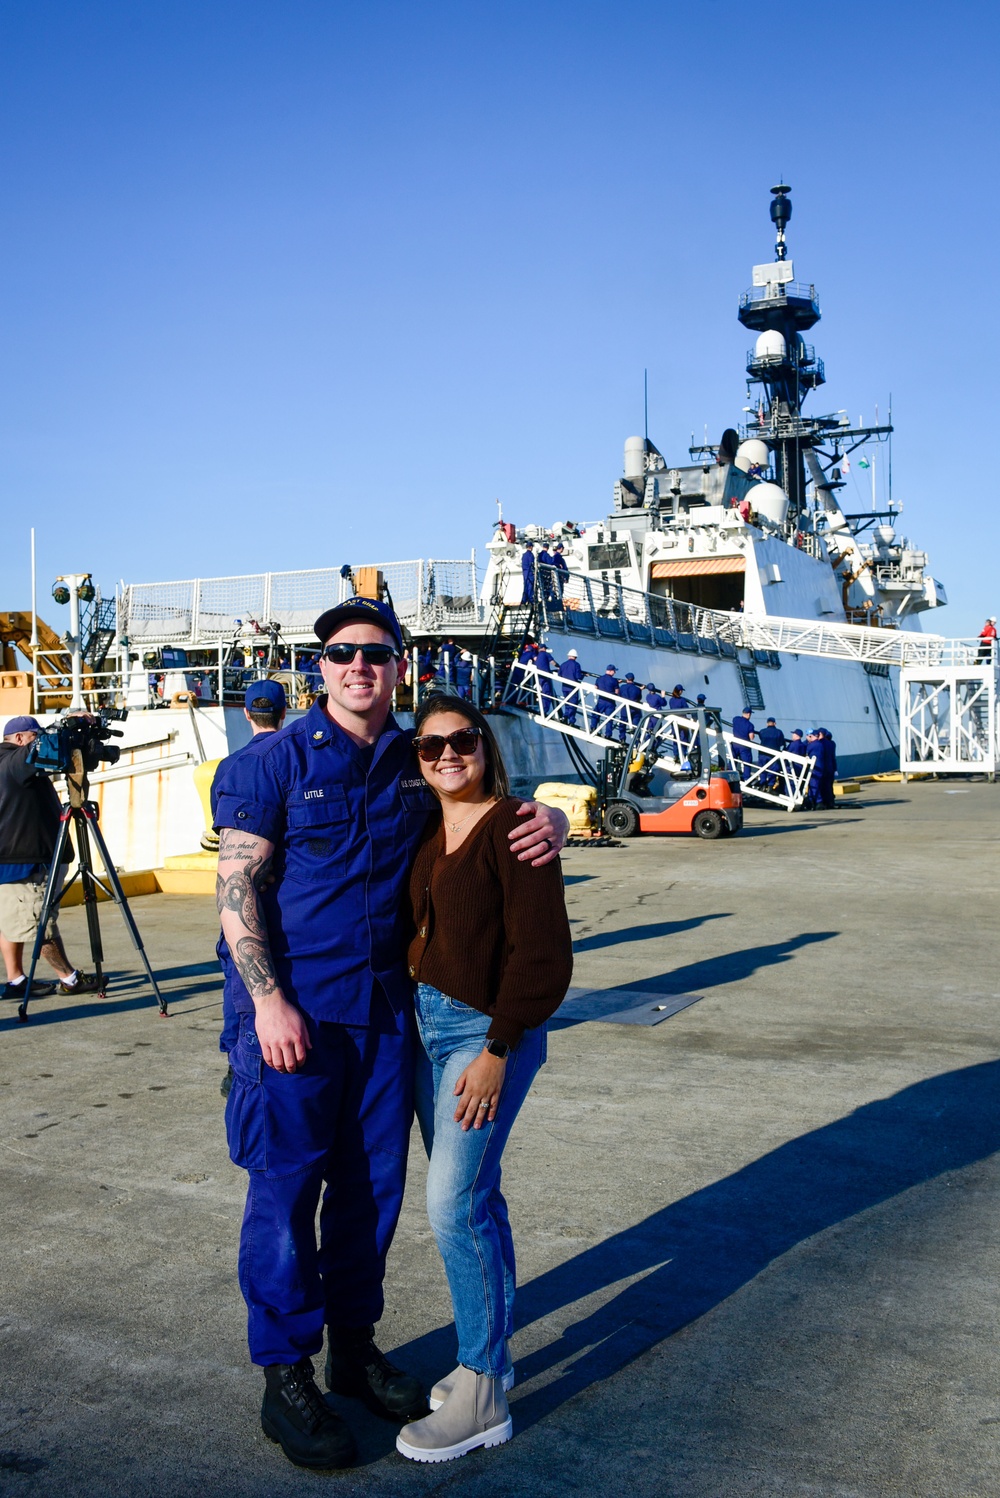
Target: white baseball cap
571	653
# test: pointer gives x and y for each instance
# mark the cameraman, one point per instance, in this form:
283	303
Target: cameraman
29	826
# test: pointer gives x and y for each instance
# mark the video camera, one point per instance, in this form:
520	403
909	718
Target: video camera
54	747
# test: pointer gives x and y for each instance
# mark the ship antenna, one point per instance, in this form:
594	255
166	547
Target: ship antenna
781	212
645	404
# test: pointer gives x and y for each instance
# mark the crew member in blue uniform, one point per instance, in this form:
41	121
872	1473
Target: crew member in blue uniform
463	676
629	691
522	680
545	661
561	573
830	770
820	775
654	698
743	729
607	686
572	674
677	699
447	656
543	571
771	738
700	700
528	573
264	707
318	824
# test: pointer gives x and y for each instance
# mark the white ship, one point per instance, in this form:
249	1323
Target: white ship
676	581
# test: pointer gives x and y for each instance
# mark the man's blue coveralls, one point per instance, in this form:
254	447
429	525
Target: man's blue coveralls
545	661
743	729
463	679
572	673
528	573
345	823
546	577
522	685
654	698
630	691
771	738
607	685
560	576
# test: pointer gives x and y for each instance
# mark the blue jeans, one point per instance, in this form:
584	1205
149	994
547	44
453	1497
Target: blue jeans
464	1202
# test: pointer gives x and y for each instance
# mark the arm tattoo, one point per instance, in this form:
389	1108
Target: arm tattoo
237	898
253	961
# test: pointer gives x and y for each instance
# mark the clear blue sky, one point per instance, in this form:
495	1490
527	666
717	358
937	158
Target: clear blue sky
300	283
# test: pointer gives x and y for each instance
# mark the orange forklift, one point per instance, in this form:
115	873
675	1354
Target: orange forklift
672	776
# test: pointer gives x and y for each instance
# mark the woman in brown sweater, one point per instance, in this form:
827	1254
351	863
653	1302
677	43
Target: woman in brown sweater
491	958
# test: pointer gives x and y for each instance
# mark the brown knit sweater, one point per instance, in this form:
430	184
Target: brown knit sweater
491	931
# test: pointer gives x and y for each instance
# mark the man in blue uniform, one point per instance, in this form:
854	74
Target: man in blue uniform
264	708
744	730
817	747
607	686
523	681
828	798
528	573
771	739
572	674
561	573
654	698
544	573
545	661
318	824
463	676
630	692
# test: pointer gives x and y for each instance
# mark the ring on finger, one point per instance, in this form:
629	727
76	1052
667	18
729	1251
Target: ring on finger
484	1103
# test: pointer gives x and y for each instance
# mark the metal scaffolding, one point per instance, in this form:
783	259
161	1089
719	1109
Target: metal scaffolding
948	720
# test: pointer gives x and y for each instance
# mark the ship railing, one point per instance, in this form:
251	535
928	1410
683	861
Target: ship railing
52	690
583	710
780	291
426	595
579	604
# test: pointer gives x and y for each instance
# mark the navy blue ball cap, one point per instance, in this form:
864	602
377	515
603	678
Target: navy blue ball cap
678	689
359	608
649	687
21	725
258	691
629	676
611	668
772	720
702	697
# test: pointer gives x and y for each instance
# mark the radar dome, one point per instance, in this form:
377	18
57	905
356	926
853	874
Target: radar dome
635	456
770	345
751	452
769	500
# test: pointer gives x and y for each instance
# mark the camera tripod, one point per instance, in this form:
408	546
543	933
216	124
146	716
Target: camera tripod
83	816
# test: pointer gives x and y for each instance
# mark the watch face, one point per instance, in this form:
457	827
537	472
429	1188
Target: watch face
497	1048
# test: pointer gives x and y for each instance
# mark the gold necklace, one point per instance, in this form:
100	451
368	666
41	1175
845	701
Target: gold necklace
454	826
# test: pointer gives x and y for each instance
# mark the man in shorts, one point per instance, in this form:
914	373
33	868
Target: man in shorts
29	827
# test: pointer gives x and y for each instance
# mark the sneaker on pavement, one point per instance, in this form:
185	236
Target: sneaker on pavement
85	983
474	1414
356	1368
39	989
443	1387
296	1416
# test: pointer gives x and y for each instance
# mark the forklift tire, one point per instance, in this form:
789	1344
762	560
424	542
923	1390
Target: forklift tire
621	819
708	824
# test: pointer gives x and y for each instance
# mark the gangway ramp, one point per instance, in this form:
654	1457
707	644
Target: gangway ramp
655	735
581	605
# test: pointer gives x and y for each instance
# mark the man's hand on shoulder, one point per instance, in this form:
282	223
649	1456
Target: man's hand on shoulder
542	837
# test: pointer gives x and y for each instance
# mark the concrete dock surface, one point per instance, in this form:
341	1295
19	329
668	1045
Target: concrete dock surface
758	1242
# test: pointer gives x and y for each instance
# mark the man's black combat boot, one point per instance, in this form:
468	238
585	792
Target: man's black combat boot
296	1415
356	1368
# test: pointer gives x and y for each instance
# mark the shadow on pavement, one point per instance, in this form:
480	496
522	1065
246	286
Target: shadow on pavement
727	967
688	1257
645	933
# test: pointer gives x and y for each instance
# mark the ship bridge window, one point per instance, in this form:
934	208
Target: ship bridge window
606	558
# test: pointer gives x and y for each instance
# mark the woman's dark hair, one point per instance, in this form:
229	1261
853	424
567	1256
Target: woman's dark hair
496	781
